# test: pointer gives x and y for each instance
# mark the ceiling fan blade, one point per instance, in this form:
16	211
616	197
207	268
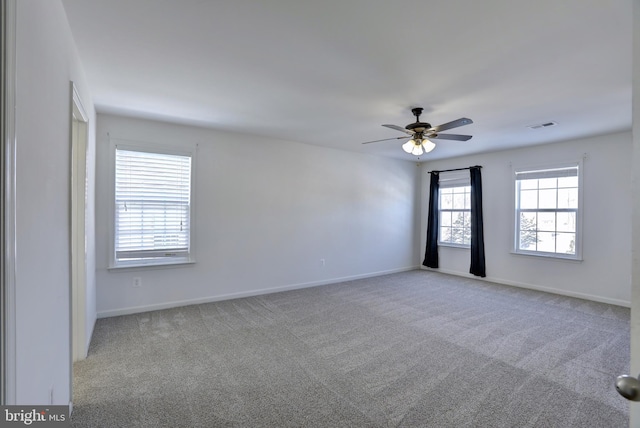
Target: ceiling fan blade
398	128
386	139
453	124
456	137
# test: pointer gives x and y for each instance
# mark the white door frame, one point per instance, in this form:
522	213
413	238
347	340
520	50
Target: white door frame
8	381
635	218
79	138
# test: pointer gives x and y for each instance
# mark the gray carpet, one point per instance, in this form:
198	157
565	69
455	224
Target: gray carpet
415	349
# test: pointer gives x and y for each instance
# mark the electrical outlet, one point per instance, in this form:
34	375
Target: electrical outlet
322	262
137	281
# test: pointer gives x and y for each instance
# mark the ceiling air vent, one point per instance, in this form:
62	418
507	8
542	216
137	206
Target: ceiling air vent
542	125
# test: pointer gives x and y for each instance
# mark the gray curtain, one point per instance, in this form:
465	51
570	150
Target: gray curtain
431	252
477	230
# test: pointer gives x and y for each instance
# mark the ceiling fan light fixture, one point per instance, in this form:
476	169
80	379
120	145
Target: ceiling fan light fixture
417	148
428	145
408	146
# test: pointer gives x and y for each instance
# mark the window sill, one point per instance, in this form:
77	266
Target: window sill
151	266
549	257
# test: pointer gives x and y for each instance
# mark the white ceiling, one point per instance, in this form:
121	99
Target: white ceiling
330	72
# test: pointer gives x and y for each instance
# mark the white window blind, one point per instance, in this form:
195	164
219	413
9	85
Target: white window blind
569	171
454	179
152	207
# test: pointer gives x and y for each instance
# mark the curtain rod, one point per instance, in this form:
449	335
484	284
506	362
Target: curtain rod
455	169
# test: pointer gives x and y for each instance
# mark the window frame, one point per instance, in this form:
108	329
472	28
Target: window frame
578	211
453	180
157	148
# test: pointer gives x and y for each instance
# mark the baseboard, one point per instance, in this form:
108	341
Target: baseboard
251	293
552	290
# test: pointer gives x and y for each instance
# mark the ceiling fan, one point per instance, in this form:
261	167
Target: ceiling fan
421	132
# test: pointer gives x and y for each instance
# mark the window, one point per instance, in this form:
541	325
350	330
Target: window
455	209
548	211
152	206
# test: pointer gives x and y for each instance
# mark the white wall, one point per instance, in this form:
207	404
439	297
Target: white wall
46	62
604	273
267	211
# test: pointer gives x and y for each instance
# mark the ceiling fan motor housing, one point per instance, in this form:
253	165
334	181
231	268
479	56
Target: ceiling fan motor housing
417	126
